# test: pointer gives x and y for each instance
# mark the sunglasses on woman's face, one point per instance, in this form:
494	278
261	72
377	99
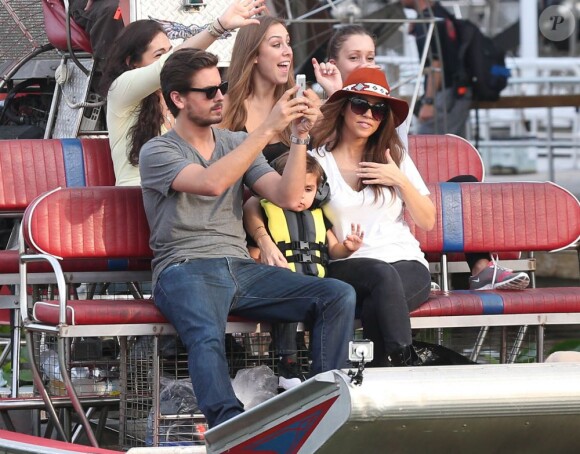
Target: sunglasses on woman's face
360	106
210	92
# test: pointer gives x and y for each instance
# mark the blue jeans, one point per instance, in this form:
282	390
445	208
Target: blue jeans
196	296
284	339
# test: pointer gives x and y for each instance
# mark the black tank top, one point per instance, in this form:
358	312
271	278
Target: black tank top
273	150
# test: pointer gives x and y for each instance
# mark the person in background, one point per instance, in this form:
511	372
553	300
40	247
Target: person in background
260	72
443	108
351	47
201	267
103	21
300	239
136	111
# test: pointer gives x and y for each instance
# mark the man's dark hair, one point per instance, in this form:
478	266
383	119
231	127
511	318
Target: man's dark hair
179	69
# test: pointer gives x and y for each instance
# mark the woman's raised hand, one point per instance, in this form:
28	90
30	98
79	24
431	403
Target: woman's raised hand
240	13
328	76
387	174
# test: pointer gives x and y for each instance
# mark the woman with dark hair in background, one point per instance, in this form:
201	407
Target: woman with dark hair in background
136	111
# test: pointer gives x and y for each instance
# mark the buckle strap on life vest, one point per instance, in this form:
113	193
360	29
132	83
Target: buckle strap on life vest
308	258
301	246
302	252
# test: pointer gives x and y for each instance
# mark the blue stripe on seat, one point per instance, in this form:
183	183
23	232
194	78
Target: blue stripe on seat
118	264
492	303
452	216
74	163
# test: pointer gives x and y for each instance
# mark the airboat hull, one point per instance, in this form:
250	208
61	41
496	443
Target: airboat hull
476	408
487	408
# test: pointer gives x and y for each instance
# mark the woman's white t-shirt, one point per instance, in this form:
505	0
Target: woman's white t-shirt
386	234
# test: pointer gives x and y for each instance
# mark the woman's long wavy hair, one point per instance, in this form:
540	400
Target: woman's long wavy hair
241	71
128	51
329	132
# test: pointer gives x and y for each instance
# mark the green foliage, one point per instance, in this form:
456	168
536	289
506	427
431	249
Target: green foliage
570	345
25	372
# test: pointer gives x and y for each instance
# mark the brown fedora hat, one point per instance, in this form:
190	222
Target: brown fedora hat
372	82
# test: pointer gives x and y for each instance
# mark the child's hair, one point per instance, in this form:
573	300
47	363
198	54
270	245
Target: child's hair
312	166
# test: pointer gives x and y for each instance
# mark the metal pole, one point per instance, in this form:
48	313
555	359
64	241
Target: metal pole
549	144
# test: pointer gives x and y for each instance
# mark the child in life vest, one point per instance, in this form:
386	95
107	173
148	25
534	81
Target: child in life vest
301	240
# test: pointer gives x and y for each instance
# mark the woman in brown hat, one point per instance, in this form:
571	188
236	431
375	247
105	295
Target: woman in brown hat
372	180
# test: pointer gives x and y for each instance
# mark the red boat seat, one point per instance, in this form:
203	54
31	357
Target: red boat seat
442	157
530	301
55	25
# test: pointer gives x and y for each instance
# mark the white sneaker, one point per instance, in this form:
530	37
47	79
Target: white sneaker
288	383
289	374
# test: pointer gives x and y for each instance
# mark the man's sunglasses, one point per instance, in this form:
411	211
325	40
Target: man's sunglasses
210	92
361	106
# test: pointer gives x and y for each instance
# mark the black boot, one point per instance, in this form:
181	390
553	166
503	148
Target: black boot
425	354
405	356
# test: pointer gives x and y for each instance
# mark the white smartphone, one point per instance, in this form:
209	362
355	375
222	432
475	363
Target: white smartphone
301	82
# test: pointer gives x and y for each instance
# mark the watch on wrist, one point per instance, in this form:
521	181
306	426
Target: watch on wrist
428	101
299	141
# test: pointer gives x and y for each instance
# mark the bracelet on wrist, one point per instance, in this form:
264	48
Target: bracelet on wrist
299	141
213	31
257	230
261	236
220	24
427	100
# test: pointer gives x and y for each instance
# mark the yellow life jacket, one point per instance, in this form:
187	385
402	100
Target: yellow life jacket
300	236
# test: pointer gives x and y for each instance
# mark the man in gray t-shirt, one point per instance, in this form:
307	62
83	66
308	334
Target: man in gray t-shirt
192	180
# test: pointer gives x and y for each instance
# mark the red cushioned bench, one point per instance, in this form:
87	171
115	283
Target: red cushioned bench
109	223
86	225
29	168
440	157
526	217
98	223
54	13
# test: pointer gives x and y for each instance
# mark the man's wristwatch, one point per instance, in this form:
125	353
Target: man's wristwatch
428	101
299	141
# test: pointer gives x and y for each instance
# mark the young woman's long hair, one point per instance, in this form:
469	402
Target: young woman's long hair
241	71
128	51
329	132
